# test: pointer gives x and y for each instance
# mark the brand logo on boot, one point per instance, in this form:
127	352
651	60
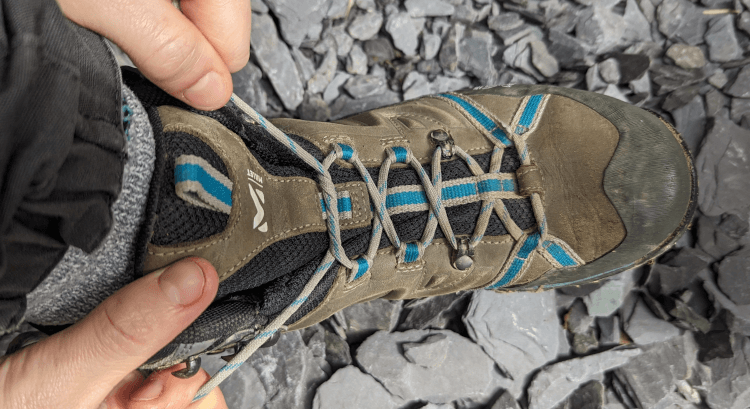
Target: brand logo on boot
258	199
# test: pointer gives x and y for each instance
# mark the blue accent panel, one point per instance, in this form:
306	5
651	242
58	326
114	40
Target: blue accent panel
363	267
193	172
458	191
411	254
347	151
400	154
405	198
344	204
528	246
323	205
483	120
560	254
489	185
509	186
530	111
501	136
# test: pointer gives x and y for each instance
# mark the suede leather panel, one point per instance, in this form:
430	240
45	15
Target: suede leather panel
407	124
291	204
650	181
572	156
361	212
430	276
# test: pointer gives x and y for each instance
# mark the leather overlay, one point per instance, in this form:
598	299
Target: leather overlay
361	212
265	208
407	124
572	147
430	276
529	180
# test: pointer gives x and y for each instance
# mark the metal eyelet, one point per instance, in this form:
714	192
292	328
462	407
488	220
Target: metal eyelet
463	258
445	141
193	366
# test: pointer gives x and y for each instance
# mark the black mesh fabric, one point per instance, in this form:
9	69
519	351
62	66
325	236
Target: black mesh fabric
271	280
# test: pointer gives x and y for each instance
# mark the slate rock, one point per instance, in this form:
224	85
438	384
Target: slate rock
601	28
642	85
589	396
713	240
305	65
405	32
741	86
299	20
734	276
542	59
428	353
335	37
568	51
606	299
718	79
554	383
721	40
721	165
416	85
244	389
522	338
246	84
345	106
680	97
505	401
681	21
609	69
379	50
652	375
337	352
350	388
644	328
690	122
430	46
594	81
324	74
679	273
429	67
289	372
357	61
361	86
366	25
670	77
380	356
364	319
715	102
686	56
684	316
609	330
274	58
332	91
616	92
577	320
475	56
445	84
313	108
743	23
429	8
740	108
631	66
505	21
258	6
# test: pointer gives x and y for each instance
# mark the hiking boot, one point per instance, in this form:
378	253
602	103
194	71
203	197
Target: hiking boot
510	188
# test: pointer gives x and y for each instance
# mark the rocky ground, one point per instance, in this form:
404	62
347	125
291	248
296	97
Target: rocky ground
670	335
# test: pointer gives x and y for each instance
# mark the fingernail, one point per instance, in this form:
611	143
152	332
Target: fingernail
208	91
183	282
151	391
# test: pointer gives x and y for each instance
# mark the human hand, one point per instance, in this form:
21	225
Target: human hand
189	55
95	360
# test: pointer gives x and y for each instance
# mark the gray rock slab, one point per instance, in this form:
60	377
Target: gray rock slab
609	330
289	372
429	8
345	106
380	355
324	74
519	331
379	50
741	86
246	84
715	102
430	46
429	353
682	21
616	92
333	91
722	167
361	86
653	375
505	401
259	6
313	108
445	84
405	32
350	388
609	69
740	110
605	300
305	66
601	28
722	40
543	60
718	79
594	81
504	21
577	320
475	56
356	63
743	23
450	50
244	389
364	319
690	121
734	276
431	312
589	396
555	382
335	36
416	85
713	240
637	26
366	25
686	56
274	58
569	51
299	20
644	328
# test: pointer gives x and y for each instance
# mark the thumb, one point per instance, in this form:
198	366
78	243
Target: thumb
87	360
163	43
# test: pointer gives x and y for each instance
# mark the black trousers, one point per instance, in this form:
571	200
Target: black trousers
62	145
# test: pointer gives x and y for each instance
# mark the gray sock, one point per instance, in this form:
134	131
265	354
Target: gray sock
81	281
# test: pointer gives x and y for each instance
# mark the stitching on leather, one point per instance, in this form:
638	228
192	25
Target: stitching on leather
359	215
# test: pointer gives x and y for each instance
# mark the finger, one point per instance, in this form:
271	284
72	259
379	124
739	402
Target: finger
165	46
226	25
87	360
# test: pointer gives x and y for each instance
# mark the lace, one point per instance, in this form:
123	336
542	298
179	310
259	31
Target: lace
491	188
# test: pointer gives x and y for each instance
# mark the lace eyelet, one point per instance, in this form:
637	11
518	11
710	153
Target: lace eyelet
463	258
445	141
